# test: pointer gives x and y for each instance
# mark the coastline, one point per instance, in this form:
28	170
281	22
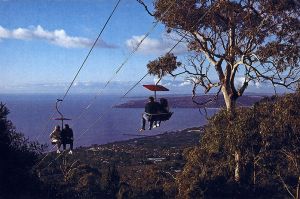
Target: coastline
186	101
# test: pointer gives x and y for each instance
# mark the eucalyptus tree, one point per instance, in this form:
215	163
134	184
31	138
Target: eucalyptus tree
258	40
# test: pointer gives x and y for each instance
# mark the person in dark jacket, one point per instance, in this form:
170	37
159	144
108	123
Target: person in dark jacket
163	108
151	107
67	137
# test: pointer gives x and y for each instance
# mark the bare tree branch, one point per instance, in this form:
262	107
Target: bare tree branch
145	6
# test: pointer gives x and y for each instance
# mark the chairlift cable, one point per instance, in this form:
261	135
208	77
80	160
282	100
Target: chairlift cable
86	130
112	106
87	56
171	49
116	72
124	62
47	154
120	67
83	63
140	79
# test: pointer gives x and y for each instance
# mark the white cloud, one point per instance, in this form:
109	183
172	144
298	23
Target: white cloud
257	84
185	83
155	46
173	83
21	33
57	37
240	81
4	33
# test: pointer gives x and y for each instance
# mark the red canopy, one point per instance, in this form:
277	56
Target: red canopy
156	88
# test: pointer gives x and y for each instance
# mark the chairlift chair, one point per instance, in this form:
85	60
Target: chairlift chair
158	116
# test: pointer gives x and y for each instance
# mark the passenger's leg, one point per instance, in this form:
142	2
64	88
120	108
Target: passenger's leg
158	123
71	147
58	144
143	122
151	124
154	124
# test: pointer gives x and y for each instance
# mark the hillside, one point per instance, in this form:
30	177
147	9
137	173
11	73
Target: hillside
142	165
191	163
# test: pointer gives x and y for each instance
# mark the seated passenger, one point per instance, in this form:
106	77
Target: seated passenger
151	107
55	137
163	108
67	138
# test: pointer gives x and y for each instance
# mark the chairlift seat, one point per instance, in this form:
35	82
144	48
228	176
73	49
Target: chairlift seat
54	141
159	116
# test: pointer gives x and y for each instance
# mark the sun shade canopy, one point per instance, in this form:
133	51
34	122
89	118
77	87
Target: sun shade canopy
156	88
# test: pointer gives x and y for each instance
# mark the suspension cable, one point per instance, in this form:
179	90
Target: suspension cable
83	63
87	56
139	80
124	62
148	72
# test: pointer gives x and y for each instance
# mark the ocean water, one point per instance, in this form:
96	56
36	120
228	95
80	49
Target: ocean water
32	115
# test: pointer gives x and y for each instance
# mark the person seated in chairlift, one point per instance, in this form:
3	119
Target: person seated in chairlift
55	137
67	138
163	108
151	107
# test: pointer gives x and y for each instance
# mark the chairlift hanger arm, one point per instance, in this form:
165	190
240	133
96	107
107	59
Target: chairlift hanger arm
56	106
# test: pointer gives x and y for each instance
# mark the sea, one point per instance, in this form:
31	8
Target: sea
93	119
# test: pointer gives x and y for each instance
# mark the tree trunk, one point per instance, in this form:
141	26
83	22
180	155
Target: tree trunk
237	170
230	103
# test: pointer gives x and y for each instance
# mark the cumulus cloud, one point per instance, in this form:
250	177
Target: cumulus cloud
240	81
155	46
57	37
173	83
4	33
185	83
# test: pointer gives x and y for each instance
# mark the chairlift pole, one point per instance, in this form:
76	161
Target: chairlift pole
61	115
156	85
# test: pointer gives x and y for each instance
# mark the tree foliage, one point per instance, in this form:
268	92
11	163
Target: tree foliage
163	65
267	136
257	40
17	157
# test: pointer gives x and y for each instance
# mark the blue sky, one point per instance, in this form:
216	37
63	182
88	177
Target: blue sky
44	42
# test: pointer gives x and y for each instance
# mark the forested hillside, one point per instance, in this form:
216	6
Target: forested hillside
194	163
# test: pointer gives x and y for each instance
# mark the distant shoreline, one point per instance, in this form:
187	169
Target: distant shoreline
186	101
193	132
